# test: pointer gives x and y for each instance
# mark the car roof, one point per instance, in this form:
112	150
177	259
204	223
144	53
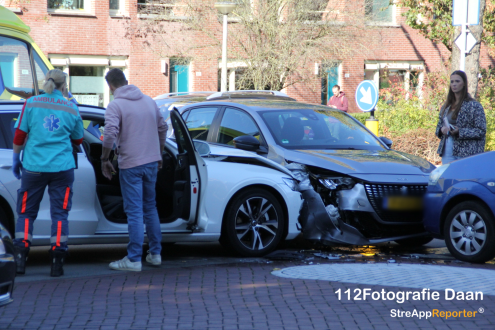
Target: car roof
182	95
265	104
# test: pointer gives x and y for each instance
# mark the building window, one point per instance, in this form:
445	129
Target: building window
68	4
157	7
114	4
86	76
179	77
406	75
380	11
87	84
316	10
117	7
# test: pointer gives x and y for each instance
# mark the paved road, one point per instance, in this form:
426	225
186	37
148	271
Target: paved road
201	286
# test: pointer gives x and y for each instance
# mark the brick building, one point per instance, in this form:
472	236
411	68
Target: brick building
86	38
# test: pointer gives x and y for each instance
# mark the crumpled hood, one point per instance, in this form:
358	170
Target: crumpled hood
129	92
360	163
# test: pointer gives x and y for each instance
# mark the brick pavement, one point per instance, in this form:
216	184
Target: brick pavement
232	296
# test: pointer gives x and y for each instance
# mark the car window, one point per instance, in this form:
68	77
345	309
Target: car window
316	129
7	122
236	123
199	121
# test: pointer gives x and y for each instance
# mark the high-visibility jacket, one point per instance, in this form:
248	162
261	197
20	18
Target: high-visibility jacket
51	122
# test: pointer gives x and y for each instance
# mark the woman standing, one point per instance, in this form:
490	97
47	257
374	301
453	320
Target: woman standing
462	123
47	127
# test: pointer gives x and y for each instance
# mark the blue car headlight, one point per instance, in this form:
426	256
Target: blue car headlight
436	174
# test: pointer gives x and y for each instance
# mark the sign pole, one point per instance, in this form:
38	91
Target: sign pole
372	123
464	37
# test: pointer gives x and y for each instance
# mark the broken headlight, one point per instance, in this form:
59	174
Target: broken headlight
291	183
337	183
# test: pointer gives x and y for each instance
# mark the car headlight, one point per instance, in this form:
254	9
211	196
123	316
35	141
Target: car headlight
2	247
291	183
436	174
334	183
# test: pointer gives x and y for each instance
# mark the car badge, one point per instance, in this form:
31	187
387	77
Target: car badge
403	190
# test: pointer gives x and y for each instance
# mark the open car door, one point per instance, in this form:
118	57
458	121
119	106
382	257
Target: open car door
190	173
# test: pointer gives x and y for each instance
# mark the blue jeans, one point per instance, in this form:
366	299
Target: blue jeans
447	155
138	190
29	196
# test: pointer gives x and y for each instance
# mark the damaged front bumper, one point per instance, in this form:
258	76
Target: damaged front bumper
352	220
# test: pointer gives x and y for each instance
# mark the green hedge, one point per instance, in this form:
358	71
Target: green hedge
405	116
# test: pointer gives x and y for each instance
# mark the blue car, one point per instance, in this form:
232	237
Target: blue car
460	207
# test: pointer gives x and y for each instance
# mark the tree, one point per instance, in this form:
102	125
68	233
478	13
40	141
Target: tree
277	42
433	19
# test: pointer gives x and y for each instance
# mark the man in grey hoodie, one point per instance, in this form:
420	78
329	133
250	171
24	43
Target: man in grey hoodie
135	125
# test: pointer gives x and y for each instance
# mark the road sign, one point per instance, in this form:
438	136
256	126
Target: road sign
467	42
466	12
366	95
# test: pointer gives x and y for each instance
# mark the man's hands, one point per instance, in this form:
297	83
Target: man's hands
16	165
107	169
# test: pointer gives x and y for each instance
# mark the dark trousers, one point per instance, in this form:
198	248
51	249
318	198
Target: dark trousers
33	185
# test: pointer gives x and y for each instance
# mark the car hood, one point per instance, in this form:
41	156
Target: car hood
249	157
364	164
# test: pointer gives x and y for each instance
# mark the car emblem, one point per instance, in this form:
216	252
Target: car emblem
401	179
403	190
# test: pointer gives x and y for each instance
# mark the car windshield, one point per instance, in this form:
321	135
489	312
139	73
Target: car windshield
317	129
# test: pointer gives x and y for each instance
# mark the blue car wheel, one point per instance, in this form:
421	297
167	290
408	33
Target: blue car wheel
470	232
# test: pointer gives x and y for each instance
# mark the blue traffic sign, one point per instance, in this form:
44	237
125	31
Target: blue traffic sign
366	95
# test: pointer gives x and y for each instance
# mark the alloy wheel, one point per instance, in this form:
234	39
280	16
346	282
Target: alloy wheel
468	232
256	223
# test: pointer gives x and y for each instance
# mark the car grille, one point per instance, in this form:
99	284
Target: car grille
366	223
377	192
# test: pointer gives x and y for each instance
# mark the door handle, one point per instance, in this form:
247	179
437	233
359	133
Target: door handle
6	166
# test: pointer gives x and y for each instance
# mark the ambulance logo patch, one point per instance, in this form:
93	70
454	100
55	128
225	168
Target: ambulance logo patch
51	123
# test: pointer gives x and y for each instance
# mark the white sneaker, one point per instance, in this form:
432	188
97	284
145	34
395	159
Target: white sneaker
126	264
154	259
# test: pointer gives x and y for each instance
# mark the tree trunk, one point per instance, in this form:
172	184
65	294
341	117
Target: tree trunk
473	58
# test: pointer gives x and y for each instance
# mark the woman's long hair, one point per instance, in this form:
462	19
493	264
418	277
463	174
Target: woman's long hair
54	79
451	96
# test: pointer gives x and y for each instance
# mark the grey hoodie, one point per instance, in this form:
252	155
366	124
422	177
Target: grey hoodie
134	123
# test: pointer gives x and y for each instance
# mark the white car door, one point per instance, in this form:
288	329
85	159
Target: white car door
193	172
82	217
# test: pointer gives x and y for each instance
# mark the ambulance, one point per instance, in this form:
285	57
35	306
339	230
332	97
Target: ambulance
22	64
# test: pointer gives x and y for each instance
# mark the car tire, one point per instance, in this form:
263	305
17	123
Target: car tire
414	241
469	232
249	232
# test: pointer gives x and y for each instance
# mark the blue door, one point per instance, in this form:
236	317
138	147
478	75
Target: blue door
332	80
179	78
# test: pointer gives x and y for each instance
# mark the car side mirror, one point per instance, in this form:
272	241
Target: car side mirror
387	141
247	142
202	148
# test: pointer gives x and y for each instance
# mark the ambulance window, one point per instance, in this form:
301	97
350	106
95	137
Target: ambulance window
40	68
15	68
